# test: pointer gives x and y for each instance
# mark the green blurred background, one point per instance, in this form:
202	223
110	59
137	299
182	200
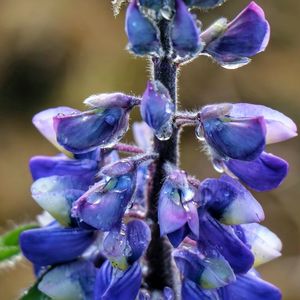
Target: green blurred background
58	52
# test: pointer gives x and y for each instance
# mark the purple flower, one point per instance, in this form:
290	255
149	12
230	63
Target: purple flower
209	272
104	204
157	109
143	36
229	202
53	245
177	212
185	34
245	36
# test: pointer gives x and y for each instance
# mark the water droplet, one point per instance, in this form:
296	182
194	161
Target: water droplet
166	12
165	132
218	165
200	133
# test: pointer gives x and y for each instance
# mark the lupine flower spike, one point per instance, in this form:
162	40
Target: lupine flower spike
138	226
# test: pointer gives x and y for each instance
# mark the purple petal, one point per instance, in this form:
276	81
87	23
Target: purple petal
43	121
250	287
242	139
49	246
185	33
262	174
83	132
228	201
279	126
60	165
157	109
171	214
192	291
73	281
247	35
125	287
104	207
208	272
139	236
223	239
143	36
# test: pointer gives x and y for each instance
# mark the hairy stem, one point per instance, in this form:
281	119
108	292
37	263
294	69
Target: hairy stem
160	265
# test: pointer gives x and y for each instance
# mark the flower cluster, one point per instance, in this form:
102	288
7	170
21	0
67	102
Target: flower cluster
94	244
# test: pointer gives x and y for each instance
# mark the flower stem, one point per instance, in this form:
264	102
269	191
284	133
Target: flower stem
160	263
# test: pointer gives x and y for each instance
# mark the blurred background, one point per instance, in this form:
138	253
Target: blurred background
58	52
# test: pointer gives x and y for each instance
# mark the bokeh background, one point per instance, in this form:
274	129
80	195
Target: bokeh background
58	52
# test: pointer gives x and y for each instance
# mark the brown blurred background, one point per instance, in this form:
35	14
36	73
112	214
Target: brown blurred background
57	52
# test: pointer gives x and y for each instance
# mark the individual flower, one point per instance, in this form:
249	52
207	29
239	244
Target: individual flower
104	204
185	34
177	209
157	109
238	148
103	125
209	272
229	202
237	41
143	35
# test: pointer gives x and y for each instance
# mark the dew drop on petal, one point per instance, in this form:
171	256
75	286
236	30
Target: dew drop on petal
200	133
165	132
218	165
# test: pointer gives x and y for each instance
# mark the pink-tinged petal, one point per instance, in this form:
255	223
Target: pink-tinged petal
279	126
43	121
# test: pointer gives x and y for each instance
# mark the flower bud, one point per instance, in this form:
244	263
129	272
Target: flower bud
157	109
247	35
185	34
143	35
